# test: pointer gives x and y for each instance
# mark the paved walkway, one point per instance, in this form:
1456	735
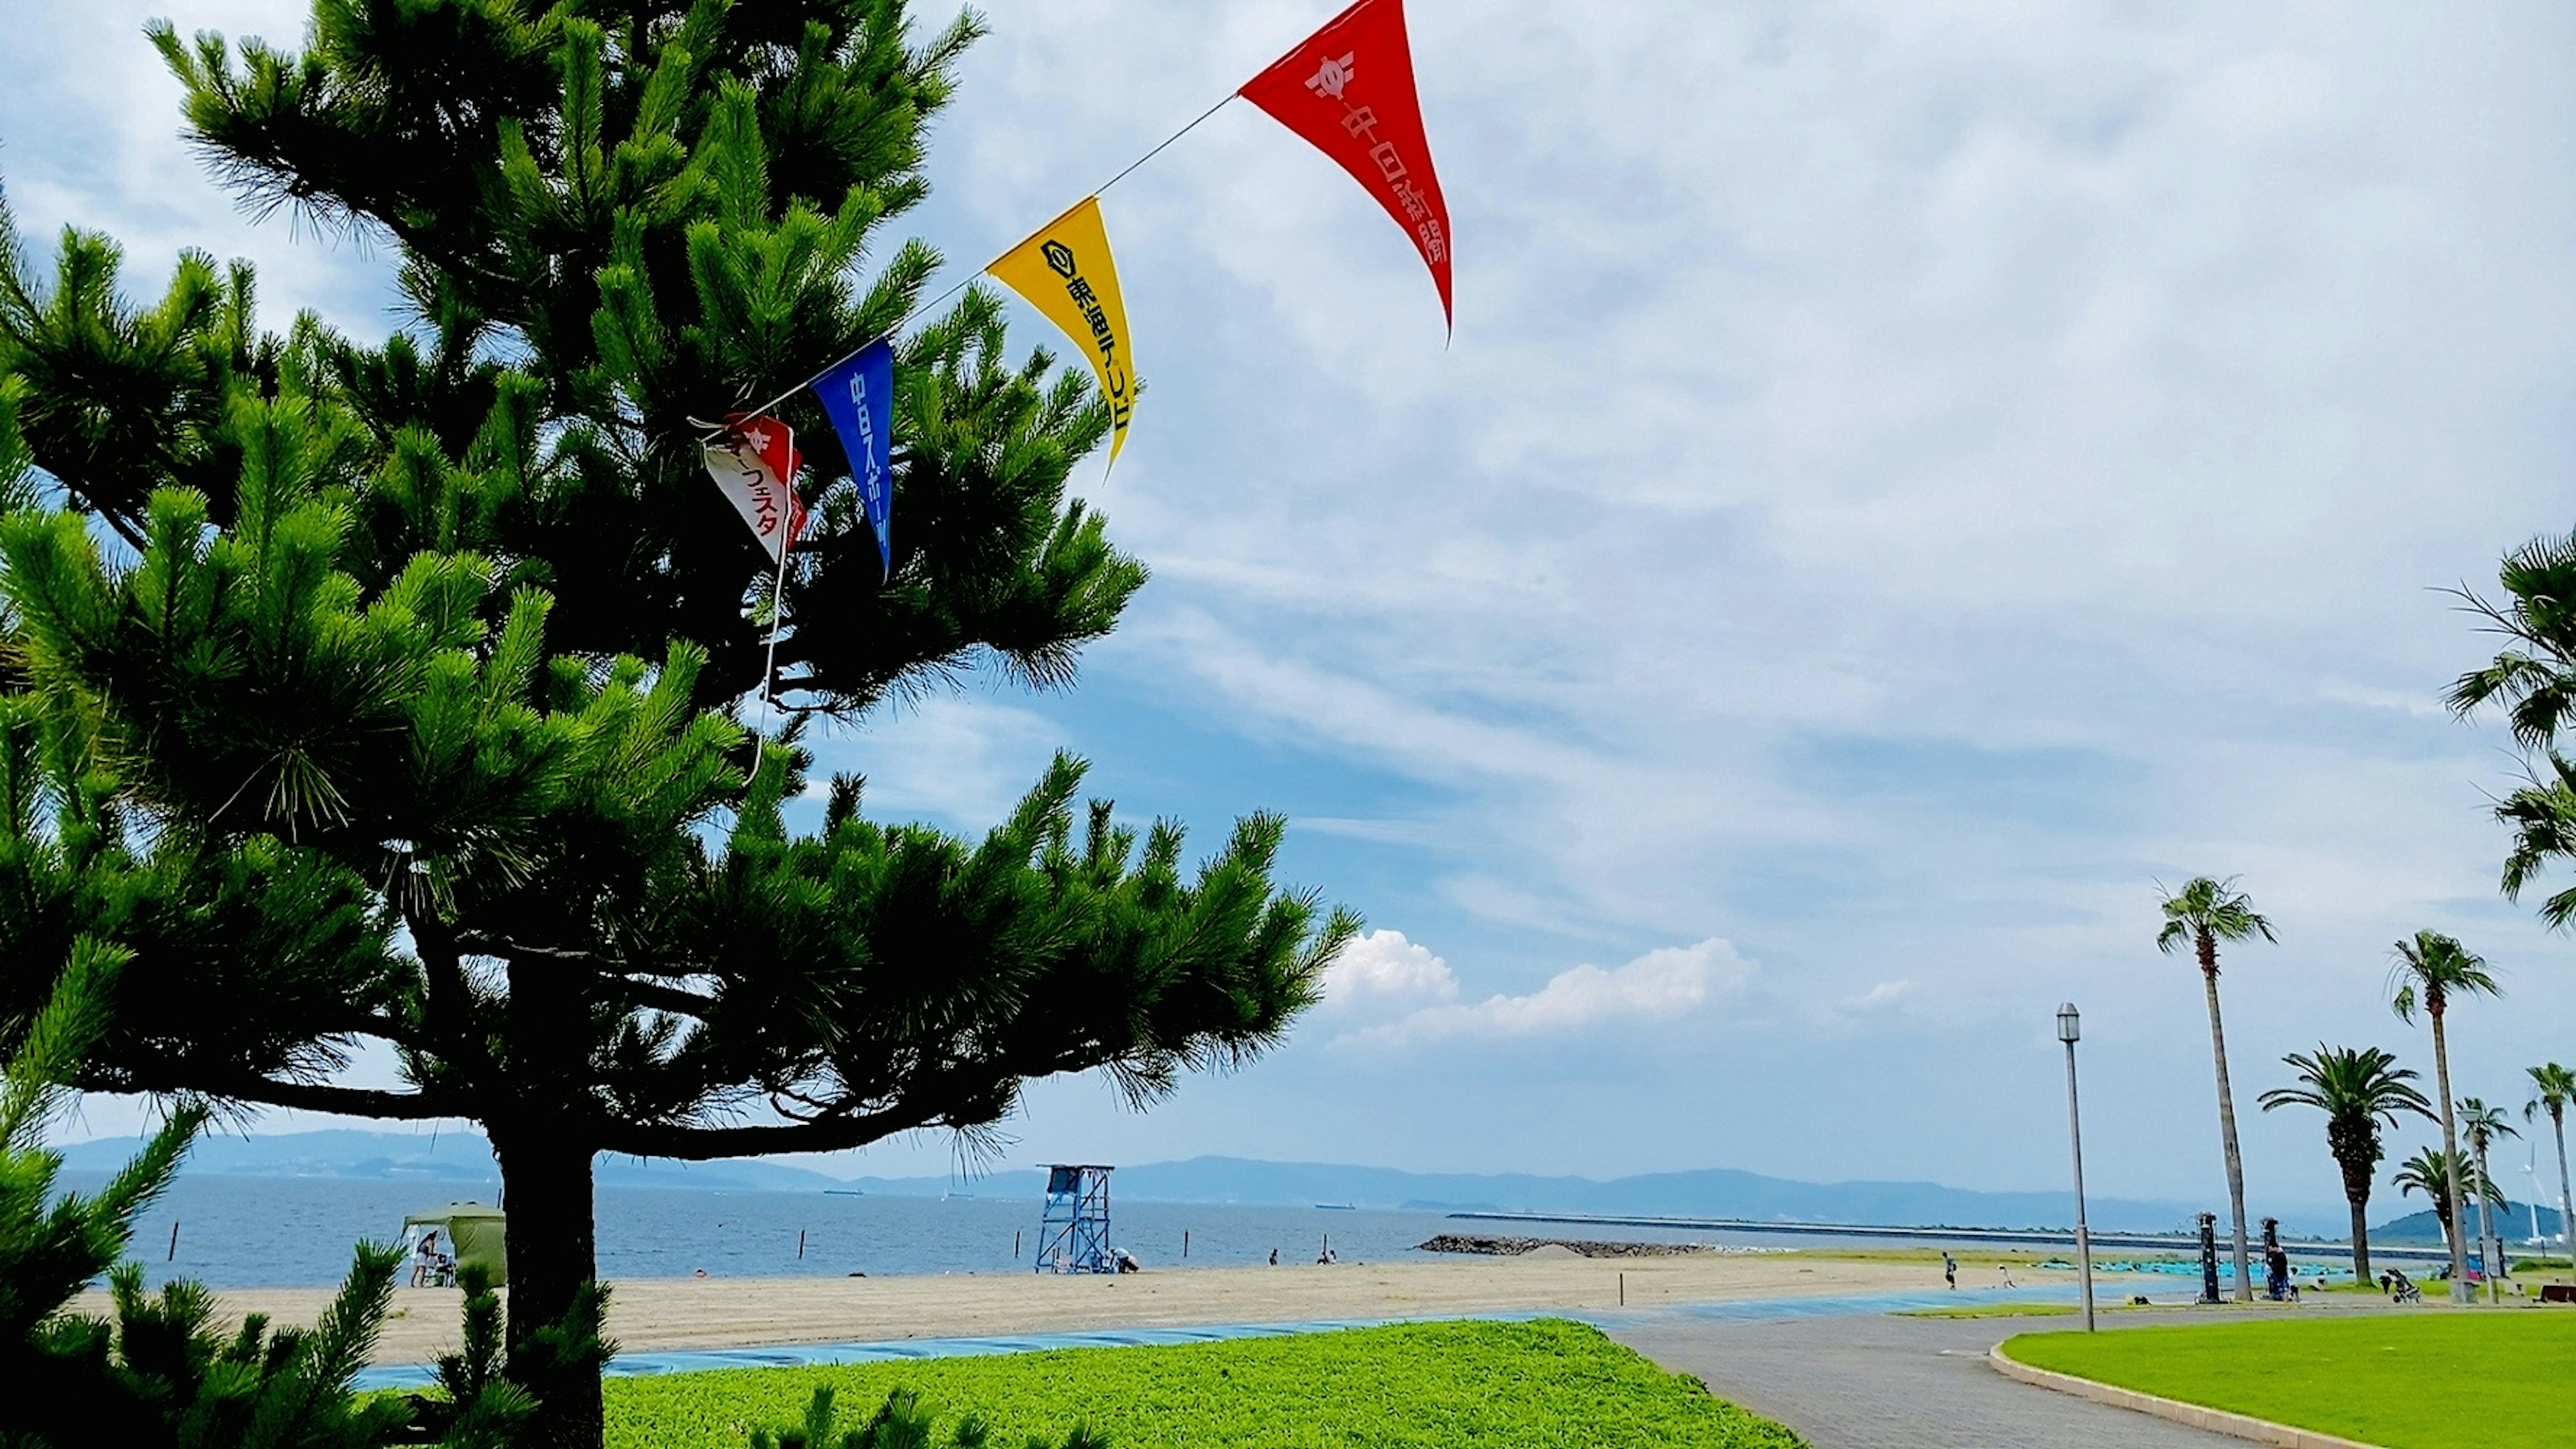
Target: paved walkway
1880	1382
798	1355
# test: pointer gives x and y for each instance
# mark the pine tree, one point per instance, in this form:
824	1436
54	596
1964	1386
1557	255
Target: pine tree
393	691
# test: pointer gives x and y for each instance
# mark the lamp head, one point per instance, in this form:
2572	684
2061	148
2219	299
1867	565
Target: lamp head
2069	1025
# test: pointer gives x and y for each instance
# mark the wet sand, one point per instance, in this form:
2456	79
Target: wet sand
666	1313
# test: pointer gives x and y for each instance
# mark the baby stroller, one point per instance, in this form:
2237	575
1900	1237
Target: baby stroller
2407	1292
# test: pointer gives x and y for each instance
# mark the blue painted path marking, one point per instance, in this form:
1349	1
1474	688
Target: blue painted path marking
810	1355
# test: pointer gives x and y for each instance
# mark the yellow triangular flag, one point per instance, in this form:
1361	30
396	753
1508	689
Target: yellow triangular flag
1065	272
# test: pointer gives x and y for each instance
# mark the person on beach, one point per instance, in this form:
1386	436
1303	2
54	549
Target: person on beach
1274	1257
424	1263
2006	1270
1950	1270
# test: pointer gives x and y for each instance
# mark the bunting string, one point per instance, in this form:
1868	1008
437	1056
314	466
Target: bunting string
826	369
919	308
1347	90
777	622
1380	143
1166	141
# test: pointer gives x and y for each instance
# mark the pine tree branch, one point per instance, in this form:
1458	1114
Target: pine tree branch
347	1101
664	998
450	1007
482	943
99	506
443	967
704	1144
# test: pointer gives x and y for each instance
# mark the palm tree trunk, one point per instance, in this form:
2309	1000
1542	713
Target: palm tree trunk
2566	1219
2450	1156
2487	1244
2227	1119
2356	1194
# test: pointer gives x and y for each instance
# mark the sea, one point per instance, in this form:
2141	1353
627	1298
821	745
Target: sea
284	1232
241	1232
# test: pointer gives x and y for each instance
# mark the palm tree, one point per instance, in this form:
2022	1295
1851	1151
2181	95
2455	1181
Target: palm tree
2542	815
2534	676
2434	968
2206	912
2482	1125
2357	1088
2428	1172
2553	1089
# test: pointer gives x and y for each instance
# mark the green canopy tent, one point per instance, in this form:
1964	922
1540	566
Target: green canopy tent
467	1233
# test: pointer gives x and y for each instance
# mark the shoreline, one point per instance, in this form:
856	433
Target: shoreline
655	1314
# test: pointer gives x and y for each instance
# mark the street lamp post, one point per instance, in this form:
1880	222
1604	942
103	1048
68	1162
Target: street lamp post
2069	1028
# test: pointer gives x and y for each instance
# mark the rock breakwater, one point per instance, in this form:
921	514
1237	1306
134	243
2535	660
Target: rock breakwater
1514	1247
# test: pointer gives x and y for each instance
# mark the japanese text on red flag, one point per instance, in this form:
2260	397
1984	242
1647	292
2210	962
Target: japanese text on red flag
754	463
1348	89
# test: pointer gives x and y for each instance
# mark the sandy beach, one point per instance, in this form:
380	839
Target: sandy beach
740	1312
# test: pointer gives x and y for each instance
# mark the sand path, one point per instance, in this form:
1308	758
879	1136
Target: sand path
667	1313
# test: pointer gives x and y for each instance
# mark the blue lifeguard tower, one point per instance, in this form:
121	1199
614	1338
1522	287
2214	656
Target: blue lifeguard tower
1073	1233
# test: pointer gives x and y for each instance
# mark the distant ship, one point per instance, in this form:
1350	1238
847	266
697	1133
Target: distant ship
1337	1207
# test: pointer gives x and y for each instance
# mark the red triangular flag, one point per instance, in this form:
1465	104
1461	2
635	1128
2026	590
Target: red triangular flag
1348	88
754	460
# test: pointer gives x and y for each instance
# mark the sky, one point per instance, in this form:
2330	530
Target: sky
1907	479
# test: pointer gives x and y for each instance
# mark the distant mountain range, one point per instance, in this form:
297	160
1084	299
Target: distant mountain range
2513	1225
465	1157
1708	1193
449	1157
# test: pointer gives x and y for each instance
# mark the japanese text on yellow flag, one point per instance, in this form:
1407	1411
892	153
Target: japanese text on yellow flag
1065	272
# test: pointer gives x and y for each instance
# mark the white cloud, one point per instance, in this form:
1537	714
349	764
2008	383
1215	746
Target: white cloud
2423	704
89	116
1884	996
1383	973
1660	986
962	760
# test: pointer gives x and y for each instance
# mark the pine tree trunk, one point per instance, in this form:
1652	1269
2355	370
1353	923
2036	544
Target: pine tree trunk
2227	1119
544	1140
2450	1156
546	1192
2566	1209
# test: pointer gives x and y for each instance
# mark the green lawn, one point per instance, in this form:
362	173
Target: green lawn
2430	1379
1544	1385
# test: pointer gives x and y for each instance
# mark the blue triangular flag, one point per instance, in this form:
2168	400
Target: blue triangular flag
858	396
